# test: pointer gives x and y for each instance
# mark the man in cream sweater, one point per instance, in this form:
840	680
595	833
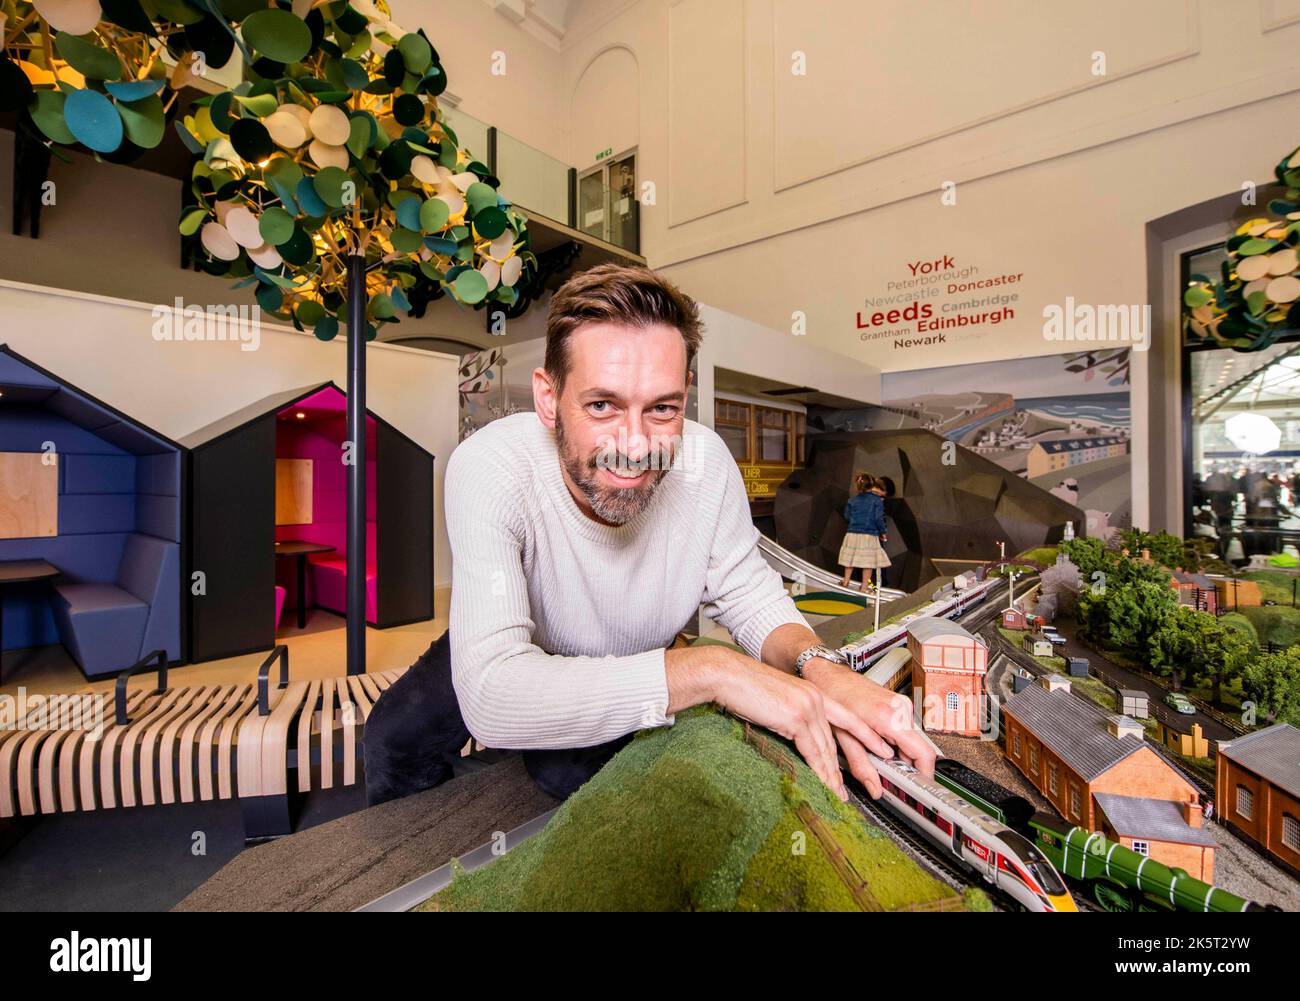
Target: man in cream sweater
584	537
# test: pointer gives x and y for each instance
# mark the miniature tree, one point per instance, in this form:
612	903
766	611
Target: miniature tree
1273	682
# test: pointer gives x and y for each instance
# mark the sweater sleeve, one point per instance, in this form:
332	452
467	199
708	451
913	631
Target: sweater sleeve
511	693
743	593
878	516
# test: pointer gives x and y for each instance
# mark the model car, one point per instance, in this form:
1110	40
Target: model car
1179	703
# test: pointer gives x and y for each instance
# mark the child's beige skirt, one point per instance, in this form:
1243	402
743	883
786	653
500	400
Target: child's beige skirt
860	549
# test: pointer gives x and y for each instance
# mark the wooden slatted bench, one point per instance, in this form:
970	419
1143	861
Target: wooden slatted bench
199	742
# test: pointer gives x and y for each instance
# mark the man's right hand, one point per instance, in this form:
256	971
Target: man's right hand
765	696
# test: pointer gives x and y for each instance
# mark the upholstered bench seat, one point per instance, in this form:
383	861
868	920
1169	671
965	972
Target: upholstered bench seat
329	581
101	624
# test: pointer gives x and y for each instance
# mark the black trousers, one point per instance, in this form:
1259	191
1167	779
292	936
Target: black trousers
415	733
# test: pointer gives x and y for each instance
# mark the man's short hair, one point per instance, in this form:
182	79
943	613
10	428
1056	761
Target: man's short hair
615	293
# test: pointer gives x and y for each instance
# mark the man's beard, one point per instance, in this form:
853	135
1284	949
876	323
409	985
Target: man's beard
614	505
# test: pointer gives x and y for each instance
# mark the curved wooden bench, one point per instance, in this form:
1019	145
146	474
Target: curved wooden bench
201	742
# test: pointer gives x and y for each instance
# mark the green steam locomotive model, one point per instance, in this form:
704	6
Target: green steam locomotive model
1114	877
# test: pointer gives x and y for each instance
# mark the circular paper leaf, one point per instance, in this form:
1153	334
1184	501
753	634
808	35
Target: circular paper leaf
134	90
276	225
88	59
144	121
251	140
480	197
286	130
1284	289
265	257
434	82
329	184
279	34
127	14
298	250
259	104
416	53
330	125
408	213
218	242
394	68
325	155
93	120
433	215
269	298
310	201
381	306
424	169
408	109
47	113
243	227
309	312
405	241
511	270
190	220
354	74
327	328
77	17
471	286
490	223
361	133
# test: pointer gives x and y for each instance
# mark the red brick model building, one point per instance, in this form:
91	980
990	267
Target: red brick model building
948	669
1099	773
1196	591
1258	789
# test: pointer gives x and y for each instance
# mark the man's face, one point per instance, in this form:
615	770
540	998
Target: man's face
618	419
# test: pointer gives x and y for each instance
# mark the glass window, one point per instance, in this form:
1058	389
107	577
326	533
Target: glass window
1076	802
1051	777
732	422
1033	758
1015	745
953	702
1291	832
1142	848
1245	802
1242	488
773	435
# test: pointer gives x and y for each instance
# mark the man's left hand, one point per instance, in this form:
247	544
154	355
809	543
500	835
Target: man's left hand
888	714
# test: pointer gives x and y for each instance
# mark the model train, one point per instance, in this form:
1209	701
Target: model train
998	855
1114	877
951	602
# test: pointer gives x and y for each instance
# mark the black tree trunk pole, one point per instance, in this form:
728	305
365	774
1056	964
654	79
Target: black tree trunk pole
356	565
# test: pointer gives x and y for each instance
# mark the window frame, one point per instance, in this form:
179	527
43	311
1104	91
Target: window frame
1249	813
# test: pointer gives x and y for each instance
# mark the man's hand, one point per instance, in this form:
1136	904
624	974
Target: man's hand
886	713
786	705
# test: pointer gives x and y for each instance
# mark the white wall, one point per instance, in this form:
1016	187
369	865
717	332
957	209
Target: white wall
106	347
740	345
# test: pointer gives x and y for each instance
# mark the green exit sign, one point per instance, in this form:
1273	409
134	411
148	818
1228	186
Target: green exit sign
604	153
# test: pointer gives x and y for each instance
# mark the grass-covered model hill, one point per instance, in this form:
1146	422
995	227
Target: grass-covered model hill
705	815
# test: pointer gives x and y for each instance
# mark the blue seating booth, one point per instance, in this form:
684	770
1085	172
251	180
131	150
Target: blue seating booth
113	530
272	474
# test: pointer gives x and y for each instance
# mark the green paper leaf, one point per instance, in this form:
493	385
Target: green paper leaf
87	58
416	53
405	241
361	132
1256	246
490	223
298	251
47	113
144	121
381	306
1197	296
251	140
309	312
433	215
470	286
329	183
408	213
480	197
191	220
327	328
278	34
259	104
275	225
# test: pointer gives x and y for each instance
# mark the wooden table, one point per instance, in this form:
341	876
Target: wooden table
301	549
20	572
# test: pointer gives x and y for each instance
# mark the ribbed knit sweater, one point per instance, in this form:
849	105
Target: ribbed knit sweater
559	623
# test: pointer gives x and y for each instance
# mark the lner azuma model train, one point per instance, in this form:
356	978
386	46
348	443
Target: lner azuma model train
950	603
989	849
1114	877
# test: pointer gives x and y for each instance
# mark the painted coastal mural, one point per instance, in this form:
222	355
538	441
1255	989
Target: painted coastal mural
1063	422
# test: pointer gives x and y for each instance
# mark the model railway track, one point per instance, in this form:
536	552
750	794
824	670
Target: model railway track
956	876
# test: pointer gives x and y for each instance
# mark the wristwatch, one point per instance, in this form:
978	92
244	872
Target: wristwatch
817	650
